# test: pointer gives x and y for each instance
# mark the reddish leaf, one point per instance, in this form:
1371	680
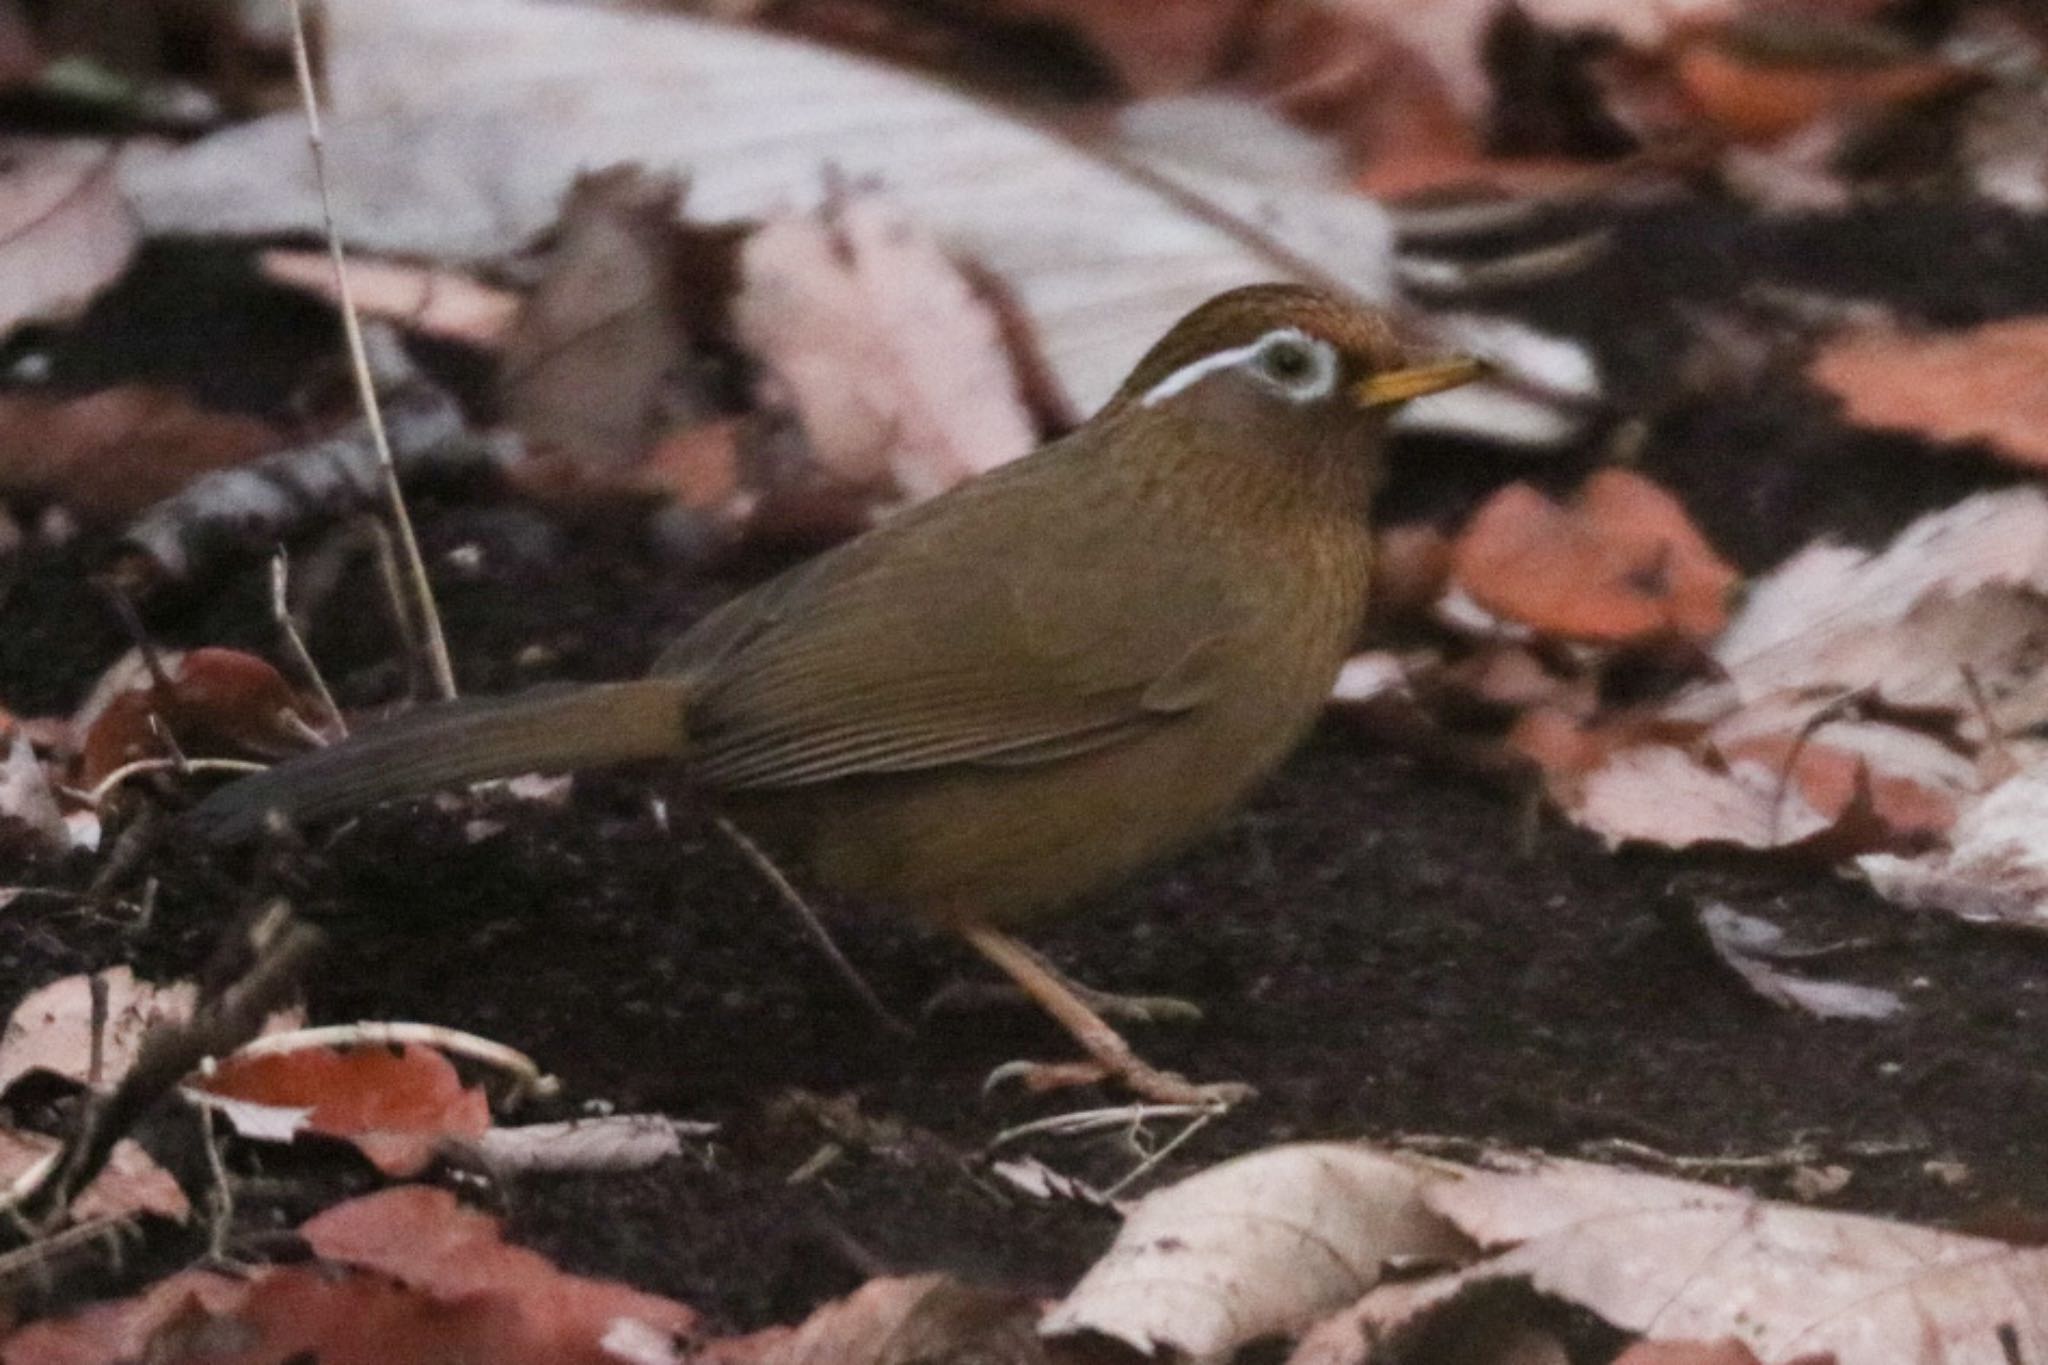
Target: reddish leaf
397	1105
419	1278
212	701
1831	779
427	1241
111	454
1754	100
1987	383
1623	564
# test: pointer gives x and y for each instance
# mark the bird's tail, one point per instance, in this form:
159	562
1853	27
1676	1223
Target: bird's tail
547	729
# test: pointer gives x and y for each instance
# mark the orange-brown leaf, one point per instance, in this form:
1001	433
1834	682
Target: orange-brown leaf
396	1104
411	1275
217	701
1987	384
1753	101
1622	564
110	454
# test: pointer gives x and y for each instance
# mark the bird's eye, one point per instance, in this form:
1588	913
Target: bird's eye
1288	361
1299	366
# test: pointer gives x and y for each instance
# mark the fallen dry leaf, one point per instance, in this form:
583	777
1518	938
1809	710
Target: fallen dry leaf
1862	699
52	1028
1961	588
1750	945
398	1105
874	339
1986	384
1255	1247
903	1321
130	1183
125	1329
1756	96
1621	564
1758	780
209	702
1995	867
438	154
65	231
25	795
431	300
409	1275
590	370
1676	1259
108	455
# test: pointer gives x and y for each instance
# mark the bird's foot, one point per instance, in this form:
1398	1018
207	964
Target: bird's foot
1128	1009
1141	1079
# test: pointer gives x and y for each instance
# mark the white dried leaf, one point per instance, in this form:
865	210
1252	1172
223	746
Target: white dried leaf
1963	587
253	1119
1995	869
896	370
25	793
1677	1260
65	231
1255	1247
1746	943
52	1028
455	128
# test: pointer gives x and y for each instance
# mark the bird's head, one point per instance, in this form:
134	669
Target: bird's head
1276	368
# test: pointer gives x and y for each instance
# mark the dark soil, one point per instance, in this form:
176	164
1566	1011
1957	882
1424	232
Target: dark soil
1377	949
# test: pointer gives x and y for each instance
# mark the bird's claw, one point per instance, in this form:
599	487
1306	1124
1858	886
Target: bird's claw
1158	1087
1129	1009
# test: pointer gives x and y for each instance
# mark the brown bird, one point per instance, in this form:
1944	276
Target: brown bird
1018	691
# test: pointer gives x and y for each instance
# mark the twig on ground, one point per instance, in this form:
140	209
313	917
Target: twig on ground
248	508
1083	1121
1160	1153
280	608
1624	1149
438	661
527	1077
99	790
613	1142
814	926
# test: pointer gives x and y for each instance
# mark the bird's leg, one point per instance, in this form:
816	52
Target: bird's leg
1129	1009
1111	1056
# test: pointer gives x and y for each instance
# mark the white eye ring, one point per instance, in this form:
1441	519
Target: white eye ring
1300	366
1275	360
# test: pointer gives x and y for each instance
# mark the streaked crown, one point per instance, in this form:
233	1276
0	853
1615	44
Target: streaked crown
1234	323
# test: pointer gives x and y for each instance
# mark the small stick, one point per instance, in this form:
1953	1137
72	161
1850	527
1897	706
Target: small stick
1083	1121
438	661
280	607
808	917
1165	1150
159	765
393	581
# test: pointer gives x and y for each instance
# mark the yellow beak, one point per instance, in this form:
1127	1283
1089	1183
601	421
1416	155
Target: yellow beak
1398	386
